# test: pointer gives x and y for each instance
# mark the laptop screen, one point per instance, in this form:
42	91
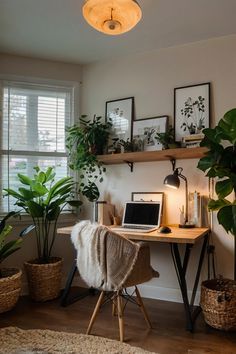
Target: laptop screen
142	213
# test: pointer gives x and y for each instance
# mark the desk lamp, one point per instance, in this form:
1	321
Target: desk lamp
173	181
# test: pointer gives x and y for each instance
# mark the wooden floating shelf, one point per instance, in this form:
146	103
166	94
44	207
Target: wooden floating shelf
148	156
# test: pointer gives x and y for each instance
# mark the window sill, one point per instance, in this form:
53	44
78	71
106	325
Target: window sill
64	219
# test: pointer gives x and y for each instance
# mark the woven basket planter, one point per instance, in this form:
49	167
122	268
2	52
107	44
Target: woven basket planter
10	287
44	280
218	303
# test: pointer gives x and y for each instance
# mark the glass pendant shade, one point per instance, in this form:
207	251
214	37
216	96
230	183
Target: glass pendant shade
112	17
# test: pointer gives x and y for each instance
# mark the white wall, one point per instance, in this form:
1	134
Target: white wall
14	66
151	78
38	68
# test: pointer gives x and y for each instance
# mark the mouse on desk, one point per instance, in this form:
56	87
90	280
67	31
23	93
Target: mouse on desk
164	230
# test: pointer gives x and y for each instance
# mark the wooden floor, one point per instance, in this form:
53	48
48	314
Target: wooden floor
168	335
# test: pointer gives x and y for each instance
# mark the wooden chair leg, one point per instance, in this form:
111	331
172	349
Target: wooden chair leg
95	312
141	305
114	306
120	315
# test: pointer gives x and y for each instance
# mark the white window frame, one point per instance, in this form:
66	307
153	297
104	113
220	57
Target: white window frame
72	86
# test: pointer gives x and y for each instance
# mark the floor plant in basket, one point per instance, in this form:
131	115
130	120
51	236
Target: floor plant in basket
44	198
10	278
220	163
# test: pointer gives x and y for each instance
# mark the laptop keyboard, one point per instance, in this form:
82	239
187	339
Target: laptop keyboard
138	227
134	228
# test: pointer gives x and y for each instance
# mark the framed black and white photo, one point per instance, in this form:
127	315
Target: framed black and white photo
120	113
146	130
191	109
147	196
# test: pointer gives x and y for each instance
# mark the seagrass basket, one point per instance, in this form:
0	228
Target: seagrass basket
44	280
218	303
10	287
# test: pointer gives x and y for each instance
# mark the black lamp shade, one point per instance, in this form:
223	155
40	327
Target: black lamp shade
172	181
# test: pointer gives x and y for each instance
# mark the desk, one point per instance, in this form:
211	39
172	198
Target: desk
178	236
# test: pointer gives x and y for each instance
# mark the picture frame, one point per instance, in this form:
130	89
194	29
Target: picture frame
147	197
120	113
191	110
145	130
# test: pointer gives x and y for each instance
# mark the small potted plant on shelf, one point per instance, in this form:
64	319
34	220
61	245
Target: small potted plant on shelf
129	145
84	142
44	199
115	147
219	295
167	139
10	278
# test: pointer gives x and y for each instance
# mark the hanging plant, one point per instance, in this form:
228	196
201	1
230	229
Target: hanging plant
84	142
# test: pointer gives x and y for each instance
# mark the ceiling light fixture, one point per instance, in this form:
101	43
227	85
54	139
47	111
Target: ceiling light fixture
112	17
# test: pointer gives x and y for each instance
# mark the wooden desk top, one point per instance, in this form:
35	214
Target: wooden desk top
177	235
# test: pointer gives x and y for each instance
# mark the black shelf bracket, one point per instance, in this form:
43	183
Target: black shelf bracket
131	165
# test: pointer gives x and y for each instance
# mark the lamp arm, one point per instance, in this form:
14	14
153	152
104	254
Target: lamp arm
186	196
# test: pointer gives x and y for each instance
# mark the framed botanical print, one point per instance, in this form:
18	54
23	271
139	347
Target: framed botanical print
191	109
146	130
147	196
120	113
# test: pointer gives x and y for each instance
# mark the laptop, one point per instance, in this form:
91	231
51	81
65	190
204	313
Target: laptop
140	217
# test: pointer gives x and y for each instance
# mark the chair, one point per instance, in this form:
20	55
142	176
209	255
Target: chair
121	263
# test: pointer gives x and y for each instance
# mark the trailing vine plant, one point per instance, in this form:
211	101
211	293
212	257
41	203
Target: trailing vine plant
84	142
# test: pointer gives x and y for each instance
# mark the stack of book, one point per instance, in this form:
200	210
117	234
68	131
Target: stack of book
193	140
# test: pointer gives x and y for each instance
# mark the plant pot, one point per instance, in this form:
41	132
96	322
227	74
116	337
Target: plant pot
44	280
218	303
10	287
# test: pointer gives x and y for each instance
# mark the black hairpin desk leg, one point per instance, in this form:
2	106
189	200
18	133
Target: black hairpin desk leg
65	300
191	312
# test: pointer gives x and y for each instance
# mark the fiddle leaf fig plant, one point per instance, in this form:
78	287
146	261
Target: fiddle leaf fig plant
220	163
84	142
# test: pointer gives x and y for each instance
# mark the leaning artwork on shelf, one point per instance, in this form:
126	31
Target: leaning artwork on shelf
147	197
120	113
191	110
145	130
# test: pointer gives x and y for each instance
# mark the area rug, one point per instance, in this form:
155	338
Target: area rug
36	341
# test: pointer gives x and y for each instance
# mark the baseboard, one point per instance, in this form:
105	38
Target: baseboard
147	291
166	294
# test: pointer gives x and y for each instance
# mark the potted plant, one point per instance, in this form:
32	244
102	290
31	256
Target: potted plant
220	163
167	139
43	199
130	145
115	147
10	278
84	142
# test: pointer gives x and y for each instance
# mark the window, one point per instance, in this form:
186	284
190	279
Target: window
33	120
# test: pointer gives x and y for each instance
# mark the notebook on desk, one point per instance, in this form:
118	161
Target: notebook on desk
140	217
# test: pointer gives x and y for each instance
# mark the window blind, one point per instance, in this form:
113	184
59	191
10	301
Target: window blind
33	121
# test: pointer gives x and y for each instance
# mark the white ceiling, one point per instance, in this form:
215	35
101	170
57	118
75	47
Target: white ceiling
56	30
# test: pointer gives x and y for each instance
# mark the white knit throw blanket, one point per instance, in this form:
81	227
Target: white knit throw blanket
104	259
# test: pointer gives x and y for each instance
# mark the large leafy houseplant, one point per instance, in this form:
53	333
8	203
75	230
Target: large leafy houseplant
9	247
84	142
10	278
43	199
220	163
